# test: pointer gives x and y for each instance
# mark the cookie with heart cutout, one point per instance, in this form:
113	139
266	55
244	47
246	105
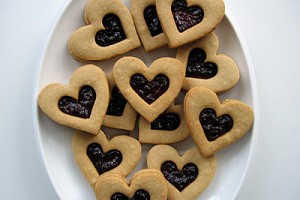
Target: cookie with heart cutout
80	105
97	156
204	67
109	32
147	24
184	21
151	90
169	127
145	184
120	114
187	175
215	125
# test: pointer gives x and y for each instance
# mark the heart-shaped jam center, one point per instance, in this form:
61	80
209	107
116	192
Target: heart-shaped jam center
113	32
152	21
81	107
138	195
214	126
180	179
117	103
186	17
149	91
102	161
166	121
197	68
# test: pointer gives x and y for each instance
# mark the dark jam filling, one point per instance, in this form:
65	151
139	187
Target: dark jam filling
214	126
82	107
138	195
103	162
197	68
180	179
149	91
186	17
152	21
117	103
166	121
113	32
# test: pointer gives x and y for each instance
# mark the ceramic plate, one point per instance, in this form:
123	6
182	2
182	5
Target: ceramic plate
55	141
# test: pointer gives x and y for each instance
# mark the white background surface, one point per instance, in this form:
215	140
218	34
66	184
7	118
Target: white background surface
271	29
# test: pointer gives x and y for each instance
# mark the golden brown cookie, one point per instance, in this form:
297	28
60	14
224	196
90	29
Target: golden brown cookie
184	21
110	32
147	24
187	175
169	127
145	184
204	67
149	90
81	105
215	125
120	114
96	155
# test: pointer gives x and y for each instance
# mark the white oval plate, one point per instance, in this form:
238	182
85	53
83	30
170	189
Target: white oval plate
55	141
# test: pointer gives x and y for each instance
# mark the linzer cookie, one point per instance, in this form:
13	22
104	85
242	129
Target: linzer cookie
168	127
187	175
149	90
215	125
110	32
145	184
204	67
120	114
96	155
147	24
184	21
81	105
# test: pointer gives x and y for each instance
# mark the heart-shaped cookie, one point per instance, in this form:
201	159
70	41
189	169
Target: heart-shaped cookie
96	155
120	114
149	90
204	67
187	175
82	104
145	184
147	24
184	21
110	32
215	125
169	127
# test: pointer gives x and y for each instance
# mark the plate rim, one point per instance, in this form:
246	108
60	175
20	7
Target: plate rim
35	106
255	107
36	90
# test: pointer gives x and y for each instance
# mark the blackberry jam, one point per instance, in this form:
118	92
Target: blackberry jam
102	161
180	179
117	103
152	21
149	91
113	32
197	68
79	108
138	195
214	126
186	17
166	121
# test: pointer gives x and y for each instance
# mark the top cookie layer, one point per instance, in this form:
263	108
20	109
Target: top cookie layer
72	106
108	21
186	21
147	24
149	90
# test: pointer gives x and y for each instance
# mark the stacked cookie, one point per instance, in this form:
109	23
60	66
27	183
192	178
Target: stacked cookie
133	92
